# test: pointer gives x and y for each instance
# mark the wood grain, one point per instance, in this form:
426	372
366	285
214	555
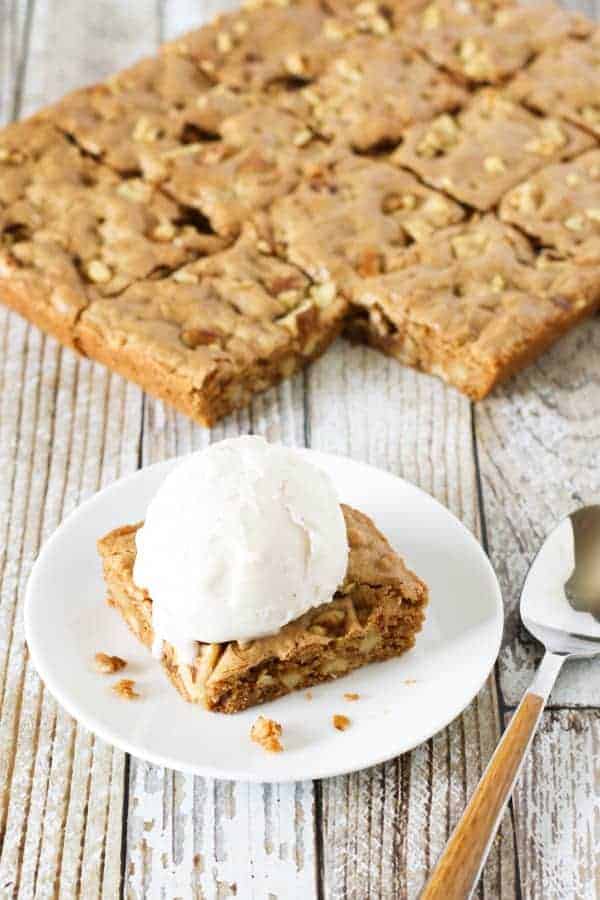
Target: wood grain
457	872
66	428
384	828
558	809
538	439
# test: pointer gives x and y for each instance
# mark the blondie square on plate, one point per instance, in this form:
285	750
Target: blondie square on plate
375	615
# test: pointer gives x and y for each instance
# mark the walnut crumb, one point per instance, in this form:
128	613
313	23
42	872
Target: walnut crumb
107	664
341	722
125	689
351	696
267	732
309	695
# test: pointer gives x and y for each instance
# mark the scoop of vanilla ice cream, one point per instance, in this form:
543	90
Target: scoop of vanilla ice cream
240	539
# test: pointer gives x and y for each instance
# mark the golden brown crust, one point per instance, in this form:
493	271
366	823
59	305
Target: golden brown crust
218	331
498	304
375	615
487	41
139	364
482	151
565	81
111	199
374	89
560	207
355	219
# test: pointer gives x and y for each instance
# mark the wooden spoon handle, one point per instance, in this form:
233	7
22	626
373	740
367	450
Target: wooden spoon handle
458	869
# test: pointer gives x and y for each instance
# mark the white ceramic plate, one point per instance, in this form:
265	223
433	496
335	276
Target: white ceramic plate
402	702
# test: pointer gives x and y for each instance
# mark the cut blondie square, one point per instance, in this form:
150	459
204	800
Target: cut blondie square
356	218
488	147
559	206
221	154
487	42
71	231
565	81
217	331
475	304
375	615
375	89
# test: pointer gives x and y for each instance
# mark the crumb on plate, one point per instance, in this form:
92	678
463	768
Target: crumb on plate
125	688
341	722
309	695
267	732
351	696
107	664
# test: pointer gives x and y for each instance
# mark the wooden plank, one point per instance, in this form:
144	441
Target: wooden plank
13	40
179	16
198	837
384	828
194	836
67	427
557	802
538	452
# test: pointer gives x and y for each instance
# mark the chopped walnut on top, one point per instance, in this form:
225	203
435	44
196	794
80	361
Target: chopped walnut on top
267	732
341	723
125	688
107	664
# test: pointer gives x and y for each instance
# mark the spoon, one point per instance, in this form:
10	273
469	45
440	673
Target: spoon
560	606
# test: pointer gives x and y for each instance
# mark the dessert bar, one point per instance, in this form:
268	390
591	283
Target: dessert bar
218	331
482	151
475	303
206	221
560	207
375	615
487	41
565	81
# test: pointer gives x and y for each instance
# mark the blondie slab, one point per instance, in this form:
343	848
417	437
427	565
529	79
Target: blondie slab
216	332
70	230
374	89
374	615
263	154
264	119
153	104
222	153
479	153
261	44
475	304
560	206
565	81
268	44
356	218
482	43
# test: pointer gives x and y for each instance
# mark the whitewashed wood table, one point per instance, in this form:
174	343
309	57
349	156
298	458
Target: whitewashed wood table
79	819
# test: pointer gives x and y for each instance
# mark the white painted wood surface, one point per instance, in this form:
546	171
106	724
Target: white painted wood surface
78	819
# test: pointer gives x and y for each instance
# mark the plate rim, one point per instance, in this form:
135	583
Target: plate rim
208	771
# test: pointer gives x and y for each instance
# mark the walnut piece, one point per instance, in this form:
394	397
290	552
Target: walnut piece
125	689
267	732
341	722
107	664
